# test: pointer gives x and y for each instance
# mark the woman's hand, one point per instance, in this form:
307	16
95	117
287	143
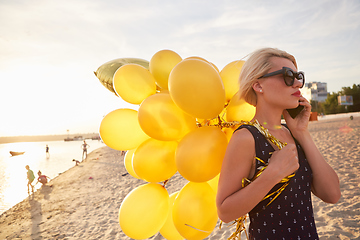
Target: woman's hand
284	162
299	124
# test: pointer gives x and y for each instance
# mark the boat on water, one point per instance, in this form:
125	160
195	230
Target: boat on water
16	153
76	138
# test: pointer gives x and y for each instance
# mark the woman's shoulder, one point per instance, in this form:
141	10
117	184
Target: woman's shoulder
244	134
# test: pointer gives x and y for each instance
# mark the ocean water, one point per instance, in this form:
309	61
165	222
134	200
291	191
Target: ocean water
13	178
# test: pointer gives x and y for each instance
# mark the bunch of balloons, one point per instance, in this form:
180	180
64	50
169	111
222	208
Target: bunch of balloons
180	126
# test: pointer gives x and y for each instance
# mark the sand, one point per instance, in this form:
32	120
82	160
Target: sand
83	202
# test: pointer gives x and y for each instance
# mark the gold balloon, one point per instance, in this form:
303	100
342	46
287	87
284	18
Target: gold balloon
105	72
169	230
154	160
161	119
230	77
161	65
229	131
239	110
144	211
200	154
214	183
133	83
128	163
196	87
194	211
203	59
120	130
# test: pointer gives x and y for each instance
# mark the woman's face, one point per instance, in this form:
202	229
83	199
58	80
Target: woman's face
274	89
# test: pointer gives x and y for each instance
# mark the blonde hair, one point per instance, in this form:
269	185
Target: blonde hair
256	66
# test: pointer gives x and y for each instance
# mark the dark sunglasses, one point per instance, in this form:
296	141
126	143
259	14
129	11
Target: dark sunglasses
289	76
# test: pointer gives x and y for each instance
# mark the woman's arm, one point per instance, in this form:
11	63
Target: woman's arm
232	200
325	183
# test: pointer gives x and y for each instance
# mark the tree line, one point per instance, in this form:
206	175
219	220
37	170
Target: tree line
331	105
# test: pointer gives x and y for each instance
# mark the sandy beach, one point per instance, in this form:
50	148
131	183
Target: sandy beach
83	202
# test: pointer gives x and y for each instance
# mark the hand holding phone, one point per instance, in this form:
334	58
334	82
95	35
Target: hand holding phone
295	111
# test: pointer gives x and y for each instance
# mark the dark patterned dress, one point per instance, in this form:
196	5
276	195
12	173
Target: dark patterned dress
290	215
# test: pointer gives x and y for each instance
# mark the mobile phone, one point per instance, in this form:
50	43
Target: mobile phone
295	111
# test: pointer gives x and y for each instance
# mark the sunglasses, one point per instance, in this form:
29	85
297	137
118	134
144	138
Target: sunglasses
289	76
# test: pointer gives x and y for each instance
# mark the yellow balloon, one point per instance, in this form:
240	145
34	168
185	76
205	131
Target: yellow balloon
169	230
229	131
128	163
196	87
161	65
230	77
200	154
120	130
194	211
105	72
203	59
144	211
154	160
161	119
239	110
133	83
214	183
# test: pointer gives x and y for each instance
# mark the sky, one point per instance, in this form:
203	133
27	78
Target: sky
49	50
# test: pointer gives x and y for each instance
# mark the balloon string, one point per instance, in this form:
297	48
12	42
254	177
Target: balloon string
197	229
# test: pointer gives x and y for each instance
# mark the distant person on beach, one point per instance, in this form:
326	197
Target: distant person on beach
47	151
30	177
76	162
270	169
84	147
42	178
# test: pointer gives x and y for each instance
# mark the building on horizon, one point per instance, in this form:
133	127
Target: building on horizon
315	91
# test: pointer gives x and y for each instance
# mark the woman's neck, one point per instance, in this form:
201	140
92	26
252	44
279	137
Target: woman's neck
270	119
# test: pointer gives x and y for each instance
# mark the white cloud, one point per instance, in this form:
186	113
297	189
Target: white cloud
58	45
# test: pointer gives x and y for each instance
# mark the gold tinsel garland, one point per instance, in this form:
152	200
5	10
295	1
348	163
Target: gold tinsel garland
240	222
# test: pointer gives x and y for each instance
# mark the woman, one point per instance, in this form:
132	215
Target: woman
269	80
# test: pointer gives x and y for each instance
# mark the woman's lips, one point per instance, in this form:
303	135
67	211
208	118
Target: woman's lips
296	94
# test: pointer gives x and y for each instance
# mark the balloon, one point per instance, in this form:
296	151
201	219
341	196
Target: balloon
203	59
200	154
229	131
128	163
133	83
214	183
161	65
144	211
169	230
230	77
120	130
196	87
161	119
154	160
105	72
239	110
194	211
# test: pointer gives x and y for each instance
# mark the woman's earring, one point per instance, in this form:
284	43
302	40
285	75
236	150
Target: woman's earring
260	90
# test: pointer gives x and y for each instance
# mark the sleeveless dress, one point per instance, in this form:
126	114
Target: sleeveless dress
290	215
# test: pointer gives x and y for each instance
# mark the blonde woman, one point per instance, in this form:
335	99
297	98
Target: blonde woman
269	170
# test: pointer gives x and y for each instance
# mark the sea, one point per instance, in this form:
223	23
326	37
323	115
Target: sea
13	175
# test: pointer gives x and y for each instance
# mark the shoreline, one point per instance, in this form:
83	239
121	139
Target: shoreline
84	201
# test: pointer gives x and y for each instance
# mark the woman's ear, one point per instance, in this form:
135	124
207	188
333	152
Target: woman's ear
257	87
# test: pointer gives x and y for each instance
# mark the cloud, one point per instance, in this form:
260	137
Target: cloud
58	45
